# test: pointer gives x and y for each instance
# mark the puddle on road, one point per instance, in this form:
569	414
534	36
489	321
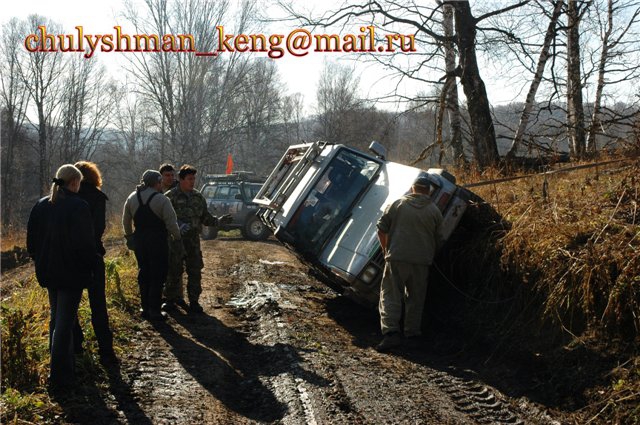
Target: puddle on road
272	263
255	295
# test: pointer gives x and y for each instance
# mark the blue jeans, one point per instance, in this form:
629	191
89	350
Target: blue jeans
64	309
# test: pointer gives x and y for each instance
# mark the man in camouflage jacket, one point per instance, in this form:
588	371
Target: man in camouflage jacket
192	213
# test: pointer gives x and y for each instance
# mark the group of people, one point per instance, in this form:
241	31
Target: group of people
162	220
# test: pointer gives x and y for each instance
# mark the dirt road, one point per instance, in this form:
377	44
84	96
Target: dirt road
276	346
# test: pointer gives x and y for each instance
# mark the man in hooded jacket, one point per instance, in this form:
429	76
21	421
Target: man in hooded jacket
409	234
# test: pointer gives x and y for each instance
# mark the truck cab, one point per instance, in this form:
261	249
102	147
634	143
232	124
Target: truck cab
323	201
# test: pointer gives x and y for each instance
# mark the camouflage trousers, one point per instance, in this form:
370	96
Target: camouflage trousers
192	262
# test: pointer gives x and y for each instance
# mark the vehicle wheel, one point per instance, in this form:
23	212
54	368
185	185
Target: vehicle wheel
209	233
254	229
479	214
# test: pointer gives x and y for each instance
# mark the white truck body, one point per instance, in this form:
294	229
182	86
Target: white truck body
323	201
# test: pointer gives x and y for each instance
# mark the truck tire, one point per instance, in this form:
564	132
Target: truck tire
209	233
479	214
254	229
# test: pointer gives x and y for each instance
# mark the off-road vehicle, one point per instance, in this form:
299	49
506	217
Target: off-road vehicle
233	194
323	200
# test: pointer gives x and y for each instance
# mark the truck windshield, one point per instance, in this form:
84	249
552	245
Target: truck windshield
331	199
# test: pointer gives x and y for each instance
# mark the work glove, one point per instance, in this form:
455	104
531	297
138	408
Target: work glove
223	220
177	248
184	228
129	240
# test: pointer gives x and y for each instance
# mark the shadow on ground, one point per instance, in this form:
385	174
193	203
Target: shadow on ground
556	378
86	405
229	367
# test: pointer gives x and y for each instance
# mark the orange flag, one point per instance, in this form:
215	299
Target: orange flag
229	164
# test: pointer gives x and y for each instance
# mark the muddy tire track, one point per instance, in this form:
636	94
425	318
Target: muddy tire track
357	385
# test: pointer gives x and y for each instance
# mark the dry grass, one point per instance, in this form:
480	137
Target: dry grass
11	237
575	241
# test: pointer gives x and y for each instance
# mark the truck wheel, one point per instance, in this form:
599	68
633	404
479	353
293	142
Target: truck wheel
209	233
254	229
479	214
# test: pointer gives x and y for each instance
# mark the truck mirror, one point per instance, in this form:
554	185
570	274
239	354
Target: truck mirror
378	149
238	196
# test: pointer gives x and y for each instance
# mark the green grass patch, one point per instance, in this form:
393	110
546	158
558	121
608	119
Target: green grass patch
25	341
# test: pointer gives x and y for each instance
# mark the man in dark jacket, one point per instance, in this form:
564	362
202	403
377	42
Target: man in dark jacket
91	193
409	234
61	242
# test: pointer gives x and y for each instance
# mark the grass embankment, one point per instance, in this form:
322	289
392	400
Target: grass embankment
567	265
25	357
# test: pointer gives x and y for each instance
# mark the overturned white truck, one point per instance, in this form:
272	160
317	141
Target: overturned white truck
323	201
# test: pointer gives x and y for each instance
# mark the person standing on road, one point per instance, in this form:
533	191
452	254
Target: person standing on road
91	193
191	209
409	234
168	172
61	242
153	217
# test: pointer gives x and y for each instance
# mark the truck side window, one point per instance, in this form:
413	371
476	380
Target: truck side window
222	193
233	191
208	192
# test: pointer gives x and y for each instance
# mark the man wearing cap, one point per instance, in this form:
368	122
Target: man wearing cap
409	234
153	217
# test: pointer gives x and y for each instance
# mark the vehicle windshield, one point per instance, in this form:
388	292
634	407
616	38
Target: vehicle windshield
329	202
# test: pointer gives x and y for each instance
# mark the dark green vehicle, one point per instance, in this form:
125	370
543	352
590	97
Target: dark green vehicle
233	194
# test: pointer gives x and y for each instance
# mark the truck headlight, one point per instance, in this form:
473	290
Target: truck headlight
369	274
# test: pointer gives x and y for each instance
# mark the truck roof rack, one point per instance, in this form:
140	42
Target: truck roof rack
248	176
283	180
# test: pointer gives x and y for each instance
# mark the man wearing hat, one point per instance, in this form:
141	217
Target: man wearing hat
409	234
153	217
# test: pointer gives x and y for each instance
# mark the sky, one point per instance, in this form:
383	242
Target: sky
300	74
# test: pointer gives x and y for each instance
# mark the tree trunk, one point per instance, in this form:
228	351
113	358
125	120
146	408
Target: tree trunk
533	89
597	102
42	151
575	107
453	111
482	130
9	140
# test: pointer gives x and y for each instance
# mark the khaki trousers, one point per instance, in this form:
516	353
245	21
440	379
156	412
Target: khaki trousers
403	284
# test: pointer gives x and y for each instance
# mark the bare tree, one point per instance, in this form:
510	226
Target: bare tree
13	106
193	96
617	41
453	110
337	95
537	79
260	111
41	73
86	107
425	22
292	116
575	105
